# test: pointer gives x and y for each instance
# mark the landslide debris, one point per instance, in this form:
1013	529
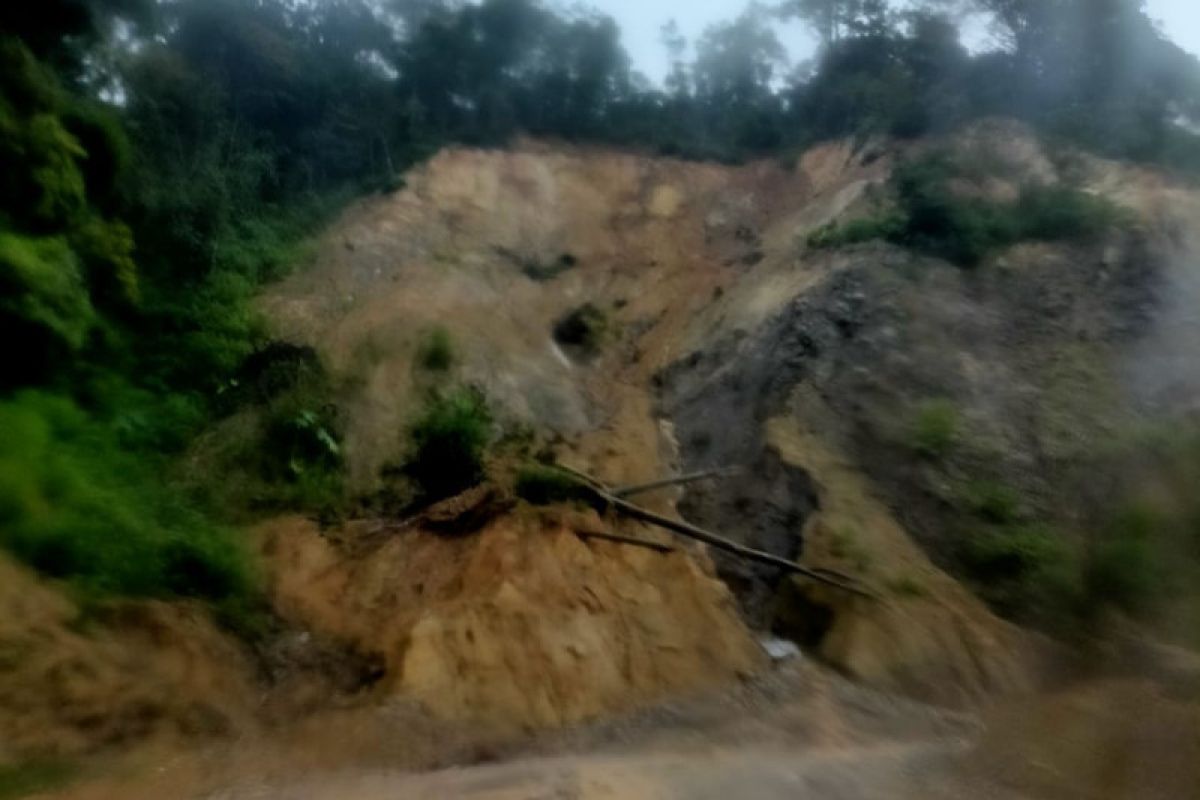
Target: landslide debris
522	624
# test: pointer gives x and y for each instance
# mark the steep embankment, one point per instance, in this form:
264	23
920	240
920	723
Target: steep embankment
730	341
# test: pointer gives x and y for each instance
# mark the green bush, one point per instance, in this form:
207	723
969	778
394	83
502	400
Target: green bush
935	428
436	351
449	440
545	485
75	505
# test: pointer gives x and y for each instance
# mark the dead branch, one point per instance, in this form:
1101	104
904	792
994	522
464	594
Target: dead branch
631	540
642	488
605	495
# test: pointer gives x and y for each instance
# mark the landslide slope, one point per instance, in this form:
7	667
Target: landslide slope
730	341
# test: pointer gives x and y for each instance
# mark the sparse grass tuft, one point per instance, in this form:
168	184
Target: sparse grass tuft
436	351
935	429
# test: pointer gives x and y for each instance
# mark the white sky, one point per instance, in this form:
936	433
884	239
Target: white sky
640	21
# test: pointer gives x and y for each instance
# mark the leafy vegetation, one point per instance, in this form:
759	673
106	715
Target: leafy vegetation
933	218
76	505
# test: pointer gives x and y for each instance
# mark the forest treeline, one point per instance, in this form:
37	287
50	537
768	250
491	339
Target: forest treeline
159	162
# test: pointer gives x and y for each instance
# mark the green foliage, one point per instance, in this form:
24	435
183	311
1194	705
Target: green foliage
932	217
993	502
935	428
545	485
1027	572
436	351
44	305
449	440
34	777
75	505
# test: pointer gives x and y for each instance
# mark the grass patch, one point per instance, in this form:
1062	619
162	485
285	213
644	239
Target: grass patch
449	441
935	429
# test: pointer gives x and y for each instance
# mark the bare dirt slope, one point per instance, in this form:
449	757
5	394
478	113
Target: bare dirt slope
134	673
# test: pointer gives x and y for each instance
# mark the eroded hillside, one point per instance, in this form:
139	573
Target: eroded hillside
730	341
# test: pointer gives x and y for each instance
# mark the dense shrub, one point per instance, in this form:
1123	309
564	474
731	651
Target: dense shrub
931	217
449	440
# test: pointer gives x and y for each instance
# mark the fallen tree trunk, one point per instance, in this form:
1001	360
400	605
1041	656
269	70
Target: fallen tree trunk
606	496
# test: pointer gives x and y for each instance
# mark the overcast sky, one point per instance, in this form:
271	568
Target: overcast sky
640	21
